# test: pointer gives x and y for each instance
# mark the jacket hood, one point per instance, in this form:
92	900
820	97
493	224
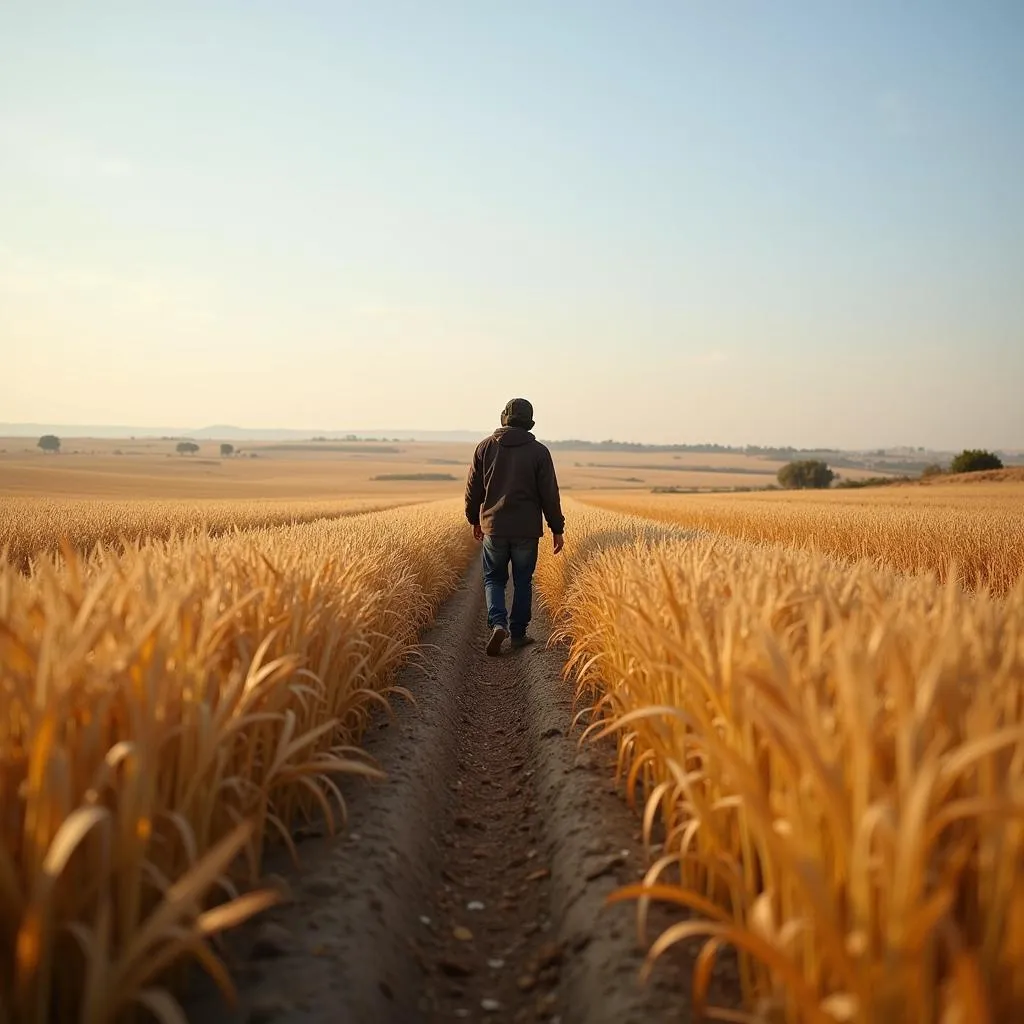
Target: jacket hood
512	437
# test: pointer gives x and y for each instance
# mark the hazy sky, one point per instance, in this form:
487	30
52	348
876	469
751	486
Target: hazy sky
743	222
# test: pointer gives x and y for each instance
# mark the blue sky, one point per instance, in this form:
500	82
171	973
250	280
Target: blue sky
741	222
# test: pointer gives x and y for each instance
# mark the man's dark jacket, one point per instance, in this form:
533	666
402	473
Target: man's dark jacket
511	484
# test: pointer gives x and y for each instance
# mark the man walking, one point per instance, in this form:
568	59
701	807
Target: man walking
511	487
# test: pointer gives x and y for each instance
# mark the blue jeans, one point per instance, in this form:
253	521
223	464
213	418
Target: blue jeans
497	553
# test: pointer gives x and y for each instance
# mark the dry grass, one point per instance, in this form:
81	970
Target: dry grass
1010	474
836	757
165	712
971	534
30	527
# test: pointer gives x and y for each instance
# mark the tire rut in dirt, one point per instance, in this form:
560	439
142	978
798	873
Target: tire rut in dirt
491	936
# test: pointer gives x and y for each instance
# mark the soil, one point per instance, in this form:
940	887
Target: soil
471	884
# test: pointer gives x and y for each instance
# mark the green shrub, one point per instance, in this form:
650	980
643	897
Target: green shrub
973	460
805	474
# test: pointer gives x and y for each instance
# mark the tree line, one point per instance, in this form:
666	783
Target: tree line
51	443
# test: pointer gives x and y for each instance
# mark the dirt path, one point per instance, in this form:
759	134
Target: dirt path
471	884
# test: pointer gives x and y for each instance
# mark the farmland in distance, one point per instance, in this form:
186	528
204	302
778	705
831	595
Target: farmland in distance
151	468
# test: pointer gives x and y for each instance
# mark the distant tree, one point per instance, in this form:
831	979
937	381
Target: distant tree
932	469
973	460
186	448
227	449
49	443
805	474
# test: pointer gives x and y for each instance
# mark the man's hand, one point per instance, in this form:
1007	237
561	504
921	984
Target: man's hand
478	533
559	543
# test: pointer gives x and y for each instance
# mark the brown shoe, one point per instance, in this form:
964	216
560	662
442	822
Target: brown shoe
522	641
498	636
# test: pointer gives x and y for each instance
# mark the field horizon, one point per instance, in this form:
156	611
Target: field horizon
233	433
387	464
142	467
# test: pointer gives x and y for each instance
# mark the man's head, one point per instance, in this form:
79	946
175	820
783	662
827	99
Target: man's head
518	413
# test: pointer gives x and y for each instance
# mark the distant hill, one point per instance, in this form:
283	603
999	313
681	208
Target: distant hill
895	459
226	432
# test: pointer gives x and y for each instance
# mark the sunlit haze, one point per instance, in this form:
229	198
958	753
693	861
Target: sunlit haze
666	222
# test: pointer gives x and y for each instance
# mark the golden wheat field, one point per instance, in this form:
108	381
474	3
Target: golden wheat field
970	533
170	707
836	758
30	527
821	725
